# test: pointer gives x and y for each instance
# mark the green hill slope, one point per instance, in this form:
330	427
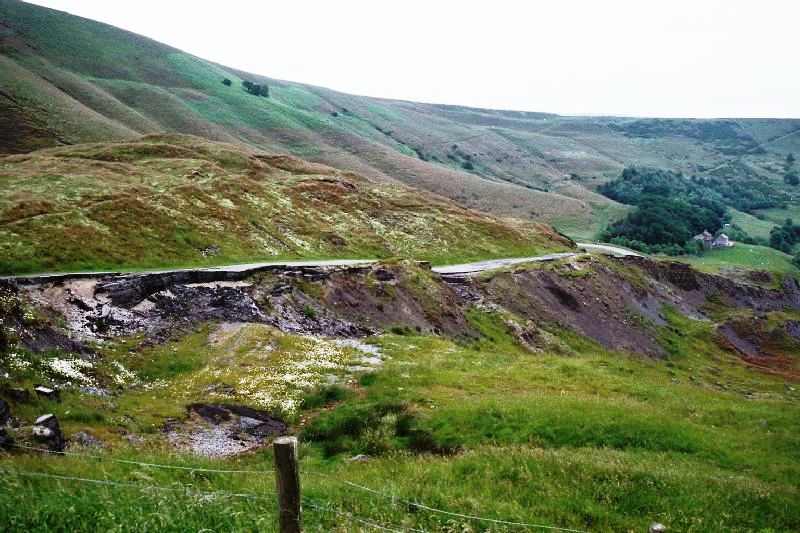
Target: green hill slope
65	79
174	199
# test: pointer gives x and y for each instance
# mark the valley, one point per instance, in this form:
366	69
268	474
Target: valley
471	319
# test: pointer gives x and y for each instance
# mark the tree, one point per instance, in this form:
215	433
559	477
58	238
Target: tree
255	89
791	178
790	159
227	82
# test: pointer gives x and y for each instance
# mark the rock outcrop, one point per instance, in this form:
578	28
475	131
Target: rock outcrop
47	432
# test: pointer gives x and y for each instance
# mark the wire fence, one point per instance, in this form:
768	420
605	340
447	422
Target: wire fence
312	503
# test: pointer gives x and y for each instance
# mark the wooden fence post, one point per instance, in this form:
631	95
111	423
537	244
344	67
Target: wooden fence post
287	480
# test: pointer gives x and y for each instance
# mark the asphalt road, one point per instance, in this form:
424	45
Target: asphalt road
466	268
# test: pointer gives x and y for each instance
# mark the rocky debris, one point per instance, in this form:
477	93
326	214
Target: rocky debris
133	440
210	251
217	430
384	274
5	412
16	394
280	289
6	442
295	312
96	391
86	440
696	287
34	333
767	346
47	432
47	393
619	305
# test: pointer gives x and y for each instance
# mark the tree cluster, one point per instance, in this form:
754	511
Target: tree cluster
784	237
662	224
744	194
790	173
256	89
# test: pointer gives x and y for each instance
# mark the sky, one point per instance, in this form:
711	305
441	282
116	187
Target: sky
666	58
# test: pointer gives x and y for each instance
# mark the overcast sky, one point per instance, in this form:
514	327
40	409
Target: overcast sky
679	58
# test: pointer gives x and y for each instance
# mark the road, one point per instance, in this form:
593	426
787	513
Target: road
465	269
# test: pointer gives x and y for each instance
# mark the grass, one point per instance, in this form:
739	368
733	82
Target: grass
751	225
166	198
743	256
573	436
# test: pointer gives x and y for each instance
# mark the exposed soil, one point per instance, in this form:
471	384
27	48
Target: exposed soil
773	348
620	303
617	302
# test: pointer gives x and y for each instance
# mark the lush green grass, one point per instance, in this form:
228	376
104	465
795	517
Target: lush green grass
746	256
572	436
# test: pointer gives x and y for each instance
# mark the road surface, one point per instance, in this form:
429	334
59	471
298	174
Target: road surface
464	269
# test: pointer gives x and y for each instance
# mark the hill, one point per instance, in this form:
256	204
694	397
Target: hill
65	80
173	199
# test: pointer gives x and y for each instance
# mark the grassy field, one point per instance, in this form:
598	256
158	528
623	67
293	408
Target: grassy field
743	256
178	200
753	226
778	216
573	436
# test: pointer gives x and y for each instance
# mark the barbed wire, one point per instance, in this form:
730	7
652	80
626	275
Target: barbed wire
27	473
442	511
119	484
312	503
141	463
320	506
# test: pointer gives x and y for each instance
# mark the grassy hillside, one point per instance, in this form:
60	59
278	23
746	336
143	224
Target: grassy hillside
561	432
744	256
65	79
182	200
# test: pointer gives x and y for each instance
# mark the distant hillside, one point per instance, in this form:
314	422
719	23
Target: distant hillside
174	199
65	80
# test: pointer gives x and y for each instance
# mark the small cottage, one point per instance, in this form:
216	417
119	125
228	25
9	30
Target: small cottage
706	238
722	241
709	241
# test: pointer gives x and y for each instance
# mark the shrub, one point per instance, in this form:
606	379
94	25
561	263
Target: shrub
324	395
227	82
309	312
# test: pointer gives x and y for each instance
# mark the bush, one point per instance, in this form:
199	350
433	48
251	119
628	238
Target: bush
227	82
255	89
325	395
309	312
